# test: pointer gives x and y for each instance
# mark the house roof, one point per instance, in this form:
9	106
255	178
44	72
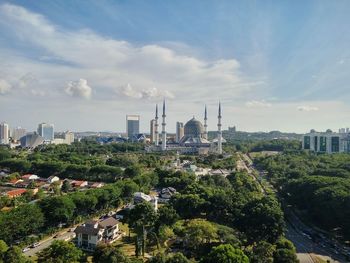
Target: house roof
108	222
16	192
89	230
15	181
78	183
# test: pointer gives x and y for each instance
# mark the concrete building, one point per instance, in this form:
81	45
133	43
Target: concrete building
4	133
64	138
18	133
326	142
132	125
152	131
31	140
179	131
46	131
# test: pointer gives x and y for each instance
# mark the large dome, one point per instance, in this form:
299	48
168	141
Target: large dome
193	128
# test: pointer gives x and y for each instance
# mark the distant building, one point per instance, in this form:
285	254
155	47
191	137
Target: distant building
232	129
4	133
152	131
46	131
18	133
132	125
326	142
31	140
64	138
179	131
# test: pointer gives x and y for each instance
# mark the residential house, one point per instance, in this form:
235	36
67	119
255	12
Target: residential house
97	185
142	197
52	179
16	193
13	182
28	177
94	232
78	184
167	192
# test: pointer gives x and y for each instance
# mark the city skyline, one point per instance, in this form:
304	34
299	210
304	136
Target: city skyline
282	61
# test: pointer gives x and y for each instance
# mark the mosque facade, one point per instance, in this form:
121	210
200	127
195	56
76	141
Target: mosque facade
195	139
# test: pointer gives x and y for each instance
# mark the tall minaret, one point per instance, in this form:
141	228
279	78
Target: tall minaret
163	129
205	123
156	127
219	131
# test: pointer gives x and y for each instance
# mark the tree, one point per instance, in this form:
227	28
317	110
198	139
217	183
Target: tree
66	186
142	218
285	252
166	216
266	216
132	171
58	209
60	252
111	254
226	254
177	258
14	255
3	248
262	252
187	205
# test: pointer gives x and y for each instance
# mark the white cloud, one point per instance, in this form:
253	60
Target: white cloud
307	108
78	88
147	93
258	104
109	62
5	87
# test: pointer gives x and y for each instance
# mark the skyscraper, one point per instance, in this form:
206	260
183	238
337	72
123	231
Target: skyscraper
18	133
179	131
205	123
219	131
153	130
132	125
46	131
4	133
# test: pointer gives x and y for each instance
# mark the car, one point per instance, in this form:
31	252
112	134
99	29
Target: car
25	249
56	236
36	244
71	229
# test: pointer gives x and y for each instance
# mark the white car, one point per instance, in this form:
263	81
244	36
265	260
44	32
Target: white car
25	249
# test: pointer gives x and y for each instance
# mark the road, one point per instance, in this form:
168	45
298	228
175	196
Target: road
64	235
297	230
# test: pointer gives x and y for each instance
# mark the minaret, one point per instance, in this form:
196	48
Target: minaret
205	123
163	129
219	131
156	127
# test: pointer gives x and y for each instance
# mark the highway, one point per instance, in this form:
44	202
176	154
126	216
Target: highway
298	232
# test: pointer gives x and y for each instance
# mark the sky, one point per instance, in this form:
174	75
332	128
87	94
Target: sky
83	65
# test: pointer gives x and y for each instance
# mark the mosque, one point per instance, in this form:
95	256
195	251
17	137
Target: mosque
194	140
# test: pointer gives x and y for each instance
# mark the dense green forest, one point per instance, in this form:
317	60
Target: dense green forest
318	185
211	218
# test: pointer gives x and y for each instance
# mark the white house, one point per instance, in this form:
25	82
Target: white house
142	197
52	179
29	177
94	232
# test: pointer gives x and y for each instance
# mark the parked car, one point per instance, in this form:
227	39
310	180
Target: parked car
36	244
25	249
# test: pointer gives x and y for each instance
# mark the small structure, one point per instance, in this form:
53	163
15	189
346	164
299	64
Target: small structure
94	232
97	185
167	192
28	177
52	179
79	184
16	193
140	197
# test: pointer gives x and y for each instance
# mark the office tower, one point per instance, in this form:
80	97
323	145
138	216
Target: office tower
163	129
18	133
4	133
153	130
132	125
68	137
179	131
46	131
219	131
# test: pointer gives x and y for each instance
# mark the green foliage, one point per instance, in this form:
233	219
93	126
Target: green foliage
226	254
58	209
14	255
111	254
60	252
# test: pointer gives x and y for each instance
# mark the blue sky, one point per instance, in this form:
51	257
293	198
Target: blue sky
83	65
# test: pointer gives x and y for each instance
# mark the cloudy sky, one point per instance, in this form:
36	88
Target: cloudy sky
83	65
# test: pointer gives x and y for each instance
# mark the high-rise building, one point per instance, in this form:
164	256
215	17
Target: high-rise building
4	133
219	131
179	131
163	128
132	125
46	131
18	133
153	130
